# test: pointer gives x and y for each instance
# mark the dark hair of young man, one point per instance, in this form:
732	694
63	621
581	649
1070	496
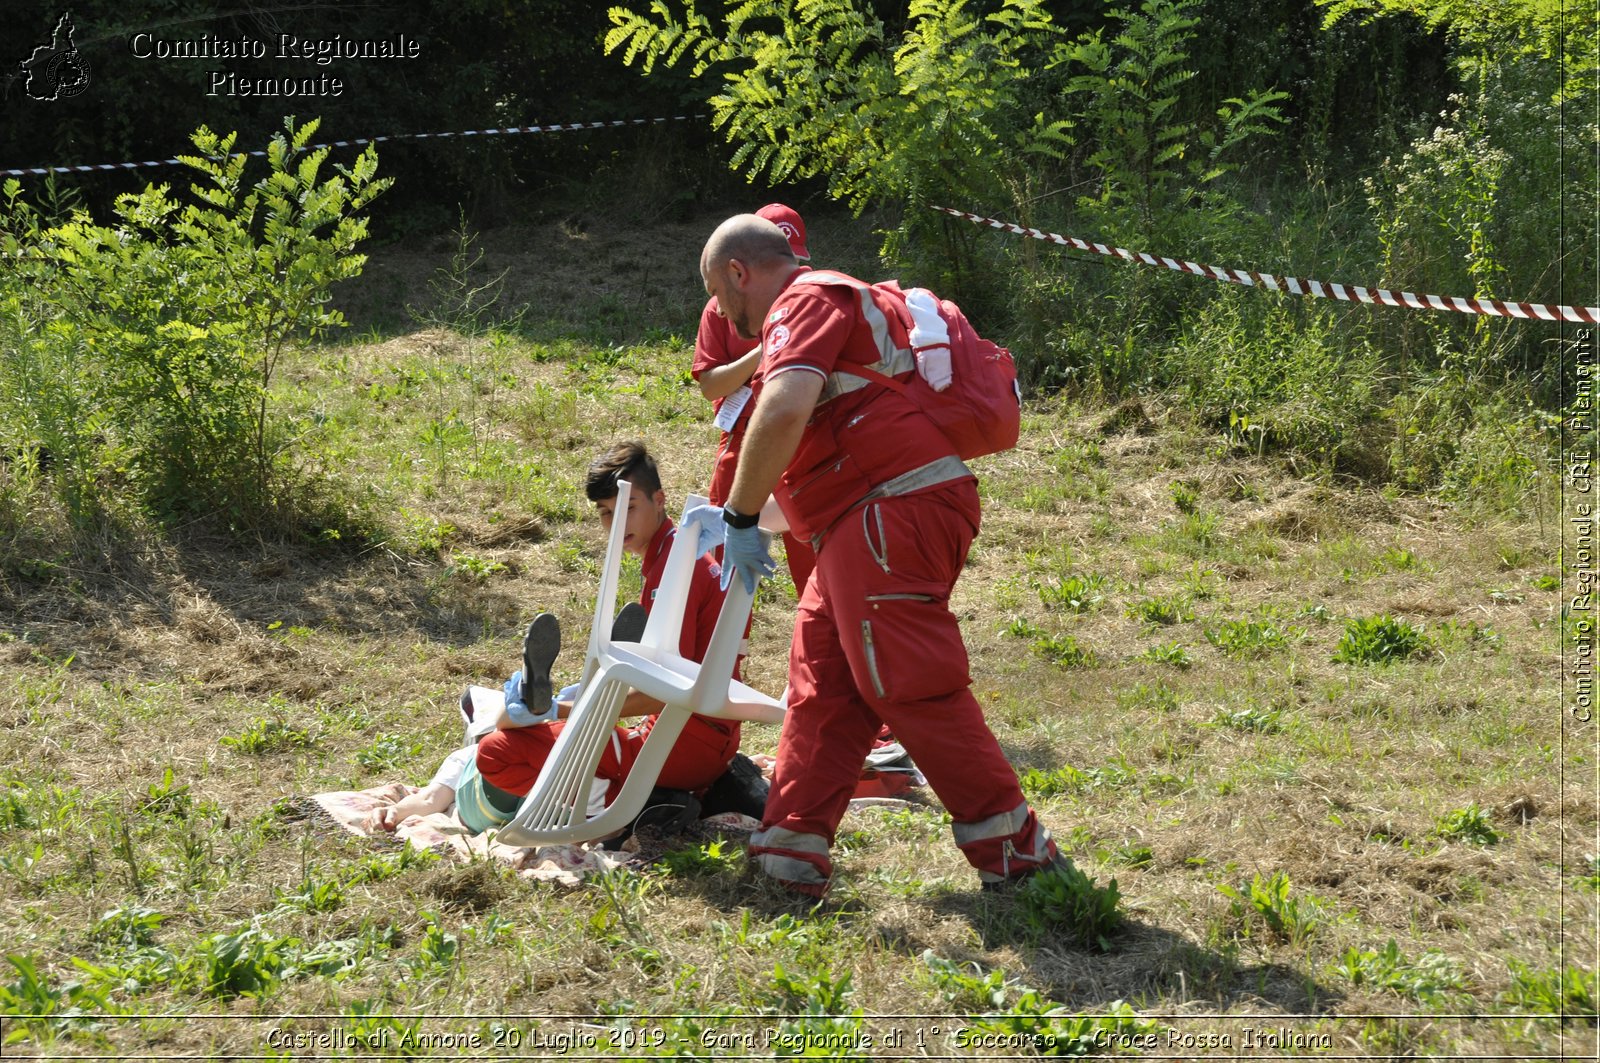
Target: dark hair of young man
628	461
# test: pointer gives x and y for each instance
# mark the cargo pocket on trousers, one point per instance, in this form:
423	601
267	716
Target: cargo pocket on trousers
899	665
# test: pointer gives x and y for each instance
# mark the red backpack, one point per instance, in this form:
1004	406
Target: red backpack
966	384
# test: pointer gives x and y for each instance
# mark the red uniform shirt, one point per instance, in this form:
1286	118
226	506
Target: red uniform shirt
853	442
704	603
717	344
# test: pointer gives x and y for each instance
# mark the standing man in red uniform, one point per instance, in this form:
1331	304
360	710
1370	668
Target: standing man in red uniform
727	368
872	482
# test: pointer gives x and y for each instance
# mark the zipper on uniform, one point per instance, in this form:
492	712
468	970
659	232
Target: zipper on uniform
879	549
899	597
796	492
872	659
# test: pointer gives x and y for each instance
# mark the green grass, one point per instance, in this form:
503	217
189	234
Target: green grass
1295	823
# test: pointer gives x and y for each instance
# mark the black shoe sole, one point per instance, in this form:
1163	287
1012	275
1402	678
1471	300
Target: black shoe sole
539	649
629	624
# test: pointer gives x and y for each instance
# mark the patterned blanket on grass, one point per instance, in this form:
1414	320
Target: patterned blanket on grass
442	831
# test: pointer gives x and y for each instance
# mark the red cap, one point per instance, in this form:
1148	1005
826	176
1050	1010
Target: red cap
789	221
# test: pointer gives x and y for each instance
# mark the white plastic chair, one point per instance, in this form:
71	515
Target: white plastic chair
556	809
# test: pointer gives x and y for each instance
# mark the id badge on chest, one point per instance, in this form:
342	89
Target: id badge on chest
732	406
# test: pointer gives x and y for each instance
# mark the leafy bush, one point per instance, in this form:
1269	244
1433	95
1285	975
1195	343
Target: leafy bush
1381	639
1246	638
1286	917
956	111
1068	779
1281	376
1159	697
1062	780
268	736
1470	824
1167	609
1076	593
1146	155
1063	900
245	963
128	927
48	1009
1173	653
149	345
710	858
1185	495
1031	1019
313	897
1568	992
387	752
1064	650
1257	718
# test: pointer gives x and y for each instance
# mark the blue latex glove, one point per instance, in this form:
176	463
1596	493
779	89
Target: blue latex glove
745	550
567	693
708	527
517	710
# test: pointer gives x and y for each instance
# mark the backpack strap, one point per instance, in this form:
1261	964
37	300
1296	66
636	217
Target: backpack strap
890	322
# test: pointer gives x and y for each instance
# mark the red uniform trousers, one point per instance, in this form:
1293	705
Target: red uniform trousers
511	759
875	641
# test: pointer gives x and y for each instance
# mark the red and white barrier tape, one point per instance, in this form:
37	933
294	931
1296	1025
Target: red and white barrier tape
1296	286
558	128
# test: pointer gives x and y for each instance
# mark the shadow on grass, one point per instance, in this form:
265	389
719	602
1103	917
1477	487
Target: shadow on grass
237	606
1141	963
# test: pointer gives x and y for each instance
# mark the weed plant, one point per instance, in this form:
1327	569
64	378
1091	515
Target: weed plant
1064	902
1426	978
1380	639
1469	824
1272	904
1568	992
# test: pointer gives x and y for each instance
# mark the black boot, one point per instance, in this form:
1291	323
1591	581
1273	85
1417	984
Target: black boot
740	789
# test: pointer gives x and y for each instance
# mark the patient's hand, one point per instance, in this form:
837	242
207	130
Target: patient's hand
435	797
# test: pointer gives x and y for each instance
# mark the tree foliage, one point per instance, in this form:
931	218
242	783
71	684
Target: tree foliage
815	88
1492	30
1146	148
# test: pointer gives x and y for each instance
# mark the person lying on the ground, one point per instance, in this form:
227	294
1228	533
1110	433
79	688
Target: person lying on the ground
509	760
539	649
702	774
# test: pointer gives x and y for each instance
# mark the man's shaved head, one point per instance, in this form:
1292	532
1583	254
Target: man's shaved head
745	264
747	238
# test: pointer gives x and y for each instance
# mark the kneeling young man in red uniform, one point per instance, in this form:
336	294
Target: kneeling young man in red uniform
864	474
509	759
